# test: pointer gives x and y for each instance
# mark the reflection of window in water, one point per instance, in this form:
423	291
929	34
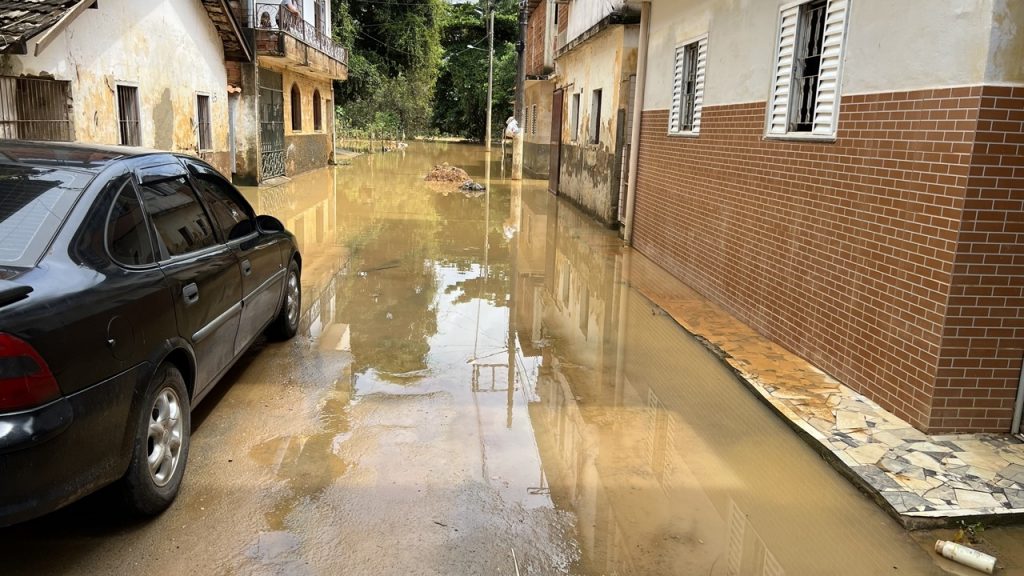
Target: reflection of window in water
747	551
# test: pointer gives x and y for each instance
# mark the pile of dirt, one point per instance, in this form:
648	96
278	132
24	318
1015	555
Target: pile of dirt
446	173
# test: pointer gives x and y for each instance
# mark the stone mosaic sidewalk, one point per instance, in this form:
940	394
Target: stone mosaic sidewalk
921	480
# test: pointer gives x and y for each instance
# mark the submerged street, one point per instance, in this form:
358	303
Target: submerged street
477	389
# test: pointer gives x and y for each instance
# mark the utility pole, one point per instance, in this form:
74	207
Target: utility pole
517	142
490	71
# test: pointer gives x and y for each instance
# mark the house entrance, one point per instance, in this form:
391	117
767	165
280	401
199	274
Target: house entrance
271	124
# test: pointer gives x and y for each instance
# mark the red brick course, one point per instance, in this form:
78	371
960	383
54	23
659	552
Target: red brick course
891	258
535	40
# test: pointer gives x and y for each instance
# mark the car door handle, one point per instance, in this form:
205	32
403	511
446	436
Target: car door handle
191	293
246	267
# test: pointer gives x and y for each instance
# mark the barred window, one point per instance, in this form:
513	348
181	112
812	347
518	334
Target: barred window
688	87
805	88
129	133
203	122
35	109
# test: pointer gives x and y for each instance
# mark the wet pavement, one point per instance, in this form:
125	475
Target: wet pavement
477	389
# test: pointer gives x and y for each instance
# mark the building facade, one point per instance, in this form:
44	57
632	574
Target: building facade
581	61
849	186
285	104
116	72
245	85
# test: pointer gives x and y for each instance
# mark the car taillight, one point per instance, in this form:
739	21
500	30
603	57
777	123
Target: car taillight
25	379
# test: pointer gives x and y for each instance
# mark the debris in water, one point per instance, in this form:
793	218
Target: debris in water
446	173
967	556
471	186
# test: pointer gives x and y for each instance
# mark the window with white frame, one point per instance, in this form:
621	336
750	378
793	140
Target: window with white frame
594	133
688	87
533	117
805	87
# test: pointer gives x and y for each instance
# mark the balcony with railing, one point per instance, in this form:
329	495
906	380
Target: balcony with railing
281	35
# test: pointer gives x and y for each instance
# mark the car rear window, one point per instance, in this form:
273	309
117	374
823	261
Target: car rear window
33	203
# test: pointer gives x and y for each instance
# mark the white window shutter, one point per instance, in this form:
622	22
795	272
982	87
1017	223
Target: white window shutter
826	108
698	91
677	90
778	108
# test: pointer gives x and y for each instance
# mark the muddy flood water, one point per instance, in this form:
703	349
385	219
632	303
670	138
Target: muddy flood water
476	389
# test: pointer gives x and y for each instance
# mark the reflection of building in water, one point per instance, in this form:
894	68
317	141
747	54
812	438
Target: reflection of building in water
747	551
608	419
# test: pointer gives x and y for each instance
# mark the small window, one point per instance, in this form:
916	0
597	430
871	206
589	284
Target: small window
595	117
574	117
526	119
233	219
296	108
128	115
128	239
180	221
688	87
533	116
805	88
203	122
318	115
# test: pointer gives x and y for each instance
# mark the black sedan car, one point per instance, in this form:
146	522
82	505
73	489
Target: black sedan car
130	282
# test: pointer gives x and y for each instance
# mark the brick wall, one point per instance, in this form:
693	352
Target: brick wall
535	40
980	361
844	252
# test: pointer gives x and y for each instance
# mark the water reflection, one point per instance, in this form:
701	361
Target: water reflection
580	397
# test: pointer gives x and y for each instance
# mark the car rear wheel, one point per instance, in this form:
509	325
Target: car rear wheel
161	444
286	324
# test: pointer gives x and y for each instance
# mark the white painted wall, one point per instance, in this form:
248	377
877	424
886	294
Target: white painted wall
891	45
168	48
585	13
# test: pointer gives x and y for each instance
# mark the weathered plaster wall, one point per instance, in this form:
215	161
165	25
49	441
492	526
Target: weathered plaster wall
587	171
247	128
1006	48
947	45
307	148
307	85
537	139
170	50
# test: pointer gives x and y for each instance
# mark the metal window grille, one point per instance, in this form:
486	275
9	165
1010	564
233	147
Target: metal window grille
34	109
203	122
533	128
807	65
128	115
689	88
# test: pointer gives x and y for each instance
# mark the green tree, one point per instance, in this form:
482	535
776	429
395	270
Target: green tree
460	95
395	52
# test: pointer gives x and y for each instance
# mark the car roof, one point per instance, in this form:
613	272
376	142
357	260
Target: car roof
88	157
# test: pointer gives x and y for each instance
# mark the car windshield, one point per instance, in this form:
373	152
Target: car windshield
33	203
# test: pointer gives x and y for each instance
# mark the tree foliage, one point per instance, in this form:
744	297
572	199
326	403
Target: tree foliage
460	95
395	53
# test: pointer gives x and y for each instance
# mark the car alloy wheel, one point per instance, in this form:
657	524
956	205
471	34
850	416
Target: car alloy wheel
165	436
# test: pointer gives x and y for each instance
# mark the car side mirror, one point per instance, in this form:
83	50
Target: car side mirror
269	223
